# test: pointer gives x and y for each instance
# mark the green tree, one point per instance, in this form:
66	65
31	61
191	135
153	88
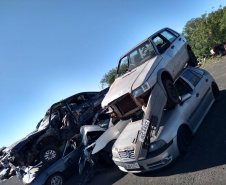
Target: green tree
109	77
206	31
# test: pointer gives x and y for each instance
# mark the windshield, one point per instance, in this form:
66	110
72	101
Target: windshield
139	55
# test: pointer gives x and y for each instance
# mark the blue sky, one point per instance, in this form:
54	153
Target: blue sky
50	50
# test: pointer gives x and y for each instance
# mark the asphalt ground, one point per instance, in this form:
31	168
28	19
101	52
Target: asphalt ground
204	164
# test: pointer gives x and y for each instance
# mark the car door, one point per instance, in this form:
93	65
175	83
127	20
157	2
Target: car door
71	157
164	42
181	46
201	96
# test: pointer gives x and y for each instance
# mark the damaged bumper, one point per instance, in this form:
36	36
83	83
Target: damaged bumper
154	160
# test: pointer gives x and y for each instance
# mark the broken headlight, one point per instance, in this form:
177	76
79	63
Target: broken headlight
141	90
115	153
156	145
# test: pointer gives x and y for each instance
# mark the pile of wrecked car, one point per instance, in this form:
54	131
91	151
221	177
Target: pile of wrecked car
159	101
148	116
61	124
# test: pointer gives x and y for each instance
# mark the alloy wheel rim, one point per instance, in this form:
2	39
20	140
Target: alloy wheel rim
57	180
50	155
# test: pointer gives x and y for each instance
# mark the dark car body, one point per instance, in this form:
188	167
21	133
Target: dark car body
65	166
49	131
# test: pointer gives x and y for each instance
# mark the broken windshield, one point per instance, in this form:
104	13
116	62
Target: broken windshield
137	56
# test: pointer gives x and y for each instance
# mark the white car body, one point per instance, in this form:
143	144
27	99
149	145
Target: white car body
126	94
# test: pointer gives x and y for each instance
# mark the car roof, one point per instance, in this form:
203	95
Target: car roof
144	41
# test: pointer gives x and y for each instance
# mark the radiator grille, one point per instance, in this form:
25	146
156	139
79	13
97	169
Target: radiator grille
126	104
128	154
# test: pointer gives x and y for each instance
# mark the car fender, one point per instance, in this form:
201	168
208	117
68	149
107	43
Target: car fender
110	134
84	130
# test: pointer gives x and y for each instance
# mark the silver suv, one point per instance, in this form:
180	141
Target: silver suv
160	57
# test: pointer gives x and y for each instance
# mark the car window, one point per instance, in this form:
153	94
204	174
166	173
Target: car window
71	145
192	76
182	87
123	66
161	43
175	33
136	57
157	40
169	36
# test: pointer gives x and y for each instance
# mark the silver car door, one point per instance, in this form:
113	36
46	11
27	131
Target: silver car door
201	95
181	46
164	42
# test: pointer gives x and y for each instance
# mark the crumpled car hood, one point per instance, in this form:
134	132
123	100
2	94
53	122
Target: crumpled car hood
19	144
130	81
128	135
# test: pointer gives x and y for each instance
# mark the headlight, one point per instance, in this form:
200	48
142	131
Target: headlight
156	145
115	153
142	89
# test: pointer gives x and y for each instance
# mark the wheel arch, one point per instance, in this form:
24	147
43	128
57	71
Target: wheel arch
186	126
188	47
163	74
215	89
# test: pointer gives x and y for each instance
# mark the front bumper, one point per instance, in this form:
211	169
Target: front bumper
154	160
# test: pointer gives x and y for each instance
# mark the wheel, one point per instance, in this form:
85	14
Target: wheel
49	154
184	138
172	94
55	179
192	59
215	90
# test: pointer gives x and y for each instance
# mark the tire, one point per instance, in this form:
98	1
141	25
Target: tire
215	90
55	179
184	138
49	154
172	94
192	59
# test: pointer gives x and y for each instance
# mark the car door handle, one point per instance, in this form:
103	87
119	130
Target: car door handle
172	46
197	94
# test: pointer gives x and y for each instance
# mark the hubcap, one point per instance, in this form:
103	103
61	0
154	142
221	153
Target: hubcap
57	180
50	155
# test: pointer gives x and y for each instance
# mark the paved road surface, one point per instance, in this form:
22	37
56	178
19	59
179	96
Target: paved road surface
204	164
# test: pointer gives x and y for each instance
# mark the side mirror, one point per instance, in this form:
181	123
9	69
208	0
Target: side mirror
185	97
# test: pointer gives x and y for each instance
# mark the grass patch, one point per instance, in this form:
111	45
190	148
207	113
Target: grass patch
211	59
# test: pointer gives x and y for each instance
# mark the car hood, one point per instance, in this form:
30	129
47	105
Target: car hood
130	81
128	135
19	144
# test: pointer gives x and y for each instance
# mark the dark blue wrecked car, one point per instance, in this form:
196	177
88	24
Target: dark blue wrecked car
56	173
61	122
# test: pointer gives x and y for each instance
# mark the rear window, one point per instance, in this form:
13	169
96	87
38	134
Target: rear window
193	76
